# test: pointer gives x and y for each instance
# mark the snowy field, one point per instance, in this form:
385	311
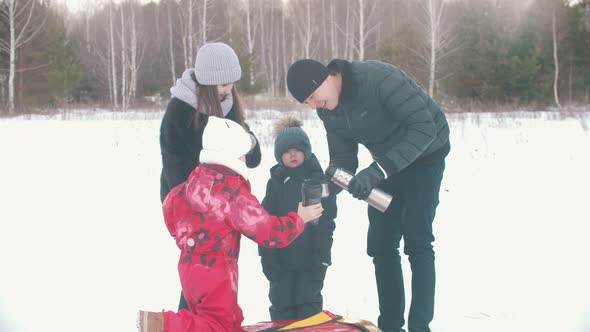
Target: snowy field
83	245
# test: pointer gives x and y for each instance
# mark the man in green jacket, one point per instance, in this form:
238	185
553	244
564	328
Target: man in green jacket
379	106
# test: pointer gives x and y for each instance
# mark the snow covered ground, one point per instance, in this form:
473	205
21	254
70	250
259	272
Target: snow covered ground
83	245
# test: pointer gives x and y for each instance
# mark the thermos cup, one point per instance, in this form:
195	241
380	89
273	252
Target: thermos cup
377	199
312	192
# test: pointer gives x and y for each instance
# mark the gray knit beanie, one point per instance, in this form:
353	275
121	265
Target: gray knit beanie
217	64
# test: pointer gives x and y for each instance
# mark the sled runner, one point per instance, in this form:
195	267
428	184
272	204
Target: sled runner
322	322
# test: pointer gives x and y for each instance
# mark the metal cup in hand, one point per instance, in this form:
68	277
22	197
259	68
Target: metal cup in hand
312	192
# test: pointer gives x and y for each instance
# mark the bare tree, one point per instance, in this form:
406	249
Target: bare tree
136	56
251	28
324	35
204	22
302	19
87	30
555	57
307	32
171	43
130	56
263	46
22	28
186	23
333	37
284	46
348	35
123	37
439	41
366	25
112	60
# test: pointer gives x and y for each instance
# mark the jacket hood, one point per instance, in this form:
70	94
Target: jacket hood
203	182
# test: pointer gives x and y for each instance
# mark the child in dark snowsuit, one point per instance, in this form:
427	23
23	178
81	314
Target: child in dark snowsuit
206	215
296	281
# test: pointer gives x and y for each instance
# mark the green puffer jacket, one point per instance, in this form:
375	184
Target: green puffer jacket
382	108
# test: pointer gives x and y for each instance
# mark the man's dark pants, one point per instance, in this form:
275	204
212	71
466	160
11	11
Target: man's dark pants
415	193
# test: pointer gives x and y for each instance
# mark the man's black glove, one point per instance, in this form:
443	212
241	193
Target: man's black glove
363	182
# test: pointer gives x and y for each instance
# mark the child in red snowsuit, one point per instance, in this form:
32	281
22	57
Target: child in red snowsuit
207	215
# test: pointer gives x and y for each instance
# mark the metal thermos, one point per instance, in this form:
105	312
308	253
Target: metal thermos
377	199
312	192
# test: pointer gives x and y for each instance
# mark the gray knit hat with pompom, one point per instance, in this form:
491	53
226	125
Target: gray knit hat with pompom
290	135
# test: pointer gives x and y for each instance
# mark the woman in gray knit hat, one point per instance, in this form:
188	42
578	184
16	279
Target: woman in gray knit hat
205	90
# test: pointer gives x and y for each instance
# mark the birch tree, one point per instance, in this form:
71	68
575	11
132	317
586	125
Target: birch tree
123	37
251	28
112	60
285	62
204	22
366	25
333	36
263	46
135	56
348	35
22	28
186	23
555	56
171	42
439	41
303	20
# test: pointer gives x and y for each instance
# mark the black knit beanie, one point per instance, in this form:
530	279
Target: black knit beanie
292	138
304	77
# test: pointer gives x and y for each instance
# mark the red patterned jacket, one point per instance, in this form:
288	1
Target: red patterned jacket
208	213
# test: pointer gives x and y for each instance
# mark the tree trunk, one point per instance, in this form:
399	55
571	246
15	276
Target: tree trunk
124	88
20	77
190	58
113	59
324	49
250	37
555	59
171	44
433	46
361	46
284	49
134	58
271	51
570	83
204	23
87	30
348	43
308	31
12	60
18	36
263	46
333	38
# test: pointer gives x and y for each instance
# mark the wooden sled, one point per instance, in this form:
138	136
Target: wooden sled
322	322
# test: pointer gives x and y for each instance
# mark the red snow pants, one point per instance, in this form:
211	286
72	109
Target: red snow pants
212	296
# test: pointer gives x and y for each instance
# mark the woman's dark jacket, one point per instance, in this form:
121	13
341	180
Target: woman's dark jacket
283	195
181	144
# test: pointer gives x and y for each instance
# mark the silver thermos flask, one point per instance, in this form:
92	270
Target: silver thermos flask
377	199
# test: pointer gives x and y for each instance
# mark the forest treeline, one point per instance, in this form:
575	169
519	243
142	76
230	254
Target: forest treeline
126	53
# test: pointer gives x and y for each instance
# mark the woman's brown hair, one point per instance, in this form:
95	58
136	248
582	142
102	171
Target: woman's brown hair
208	103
